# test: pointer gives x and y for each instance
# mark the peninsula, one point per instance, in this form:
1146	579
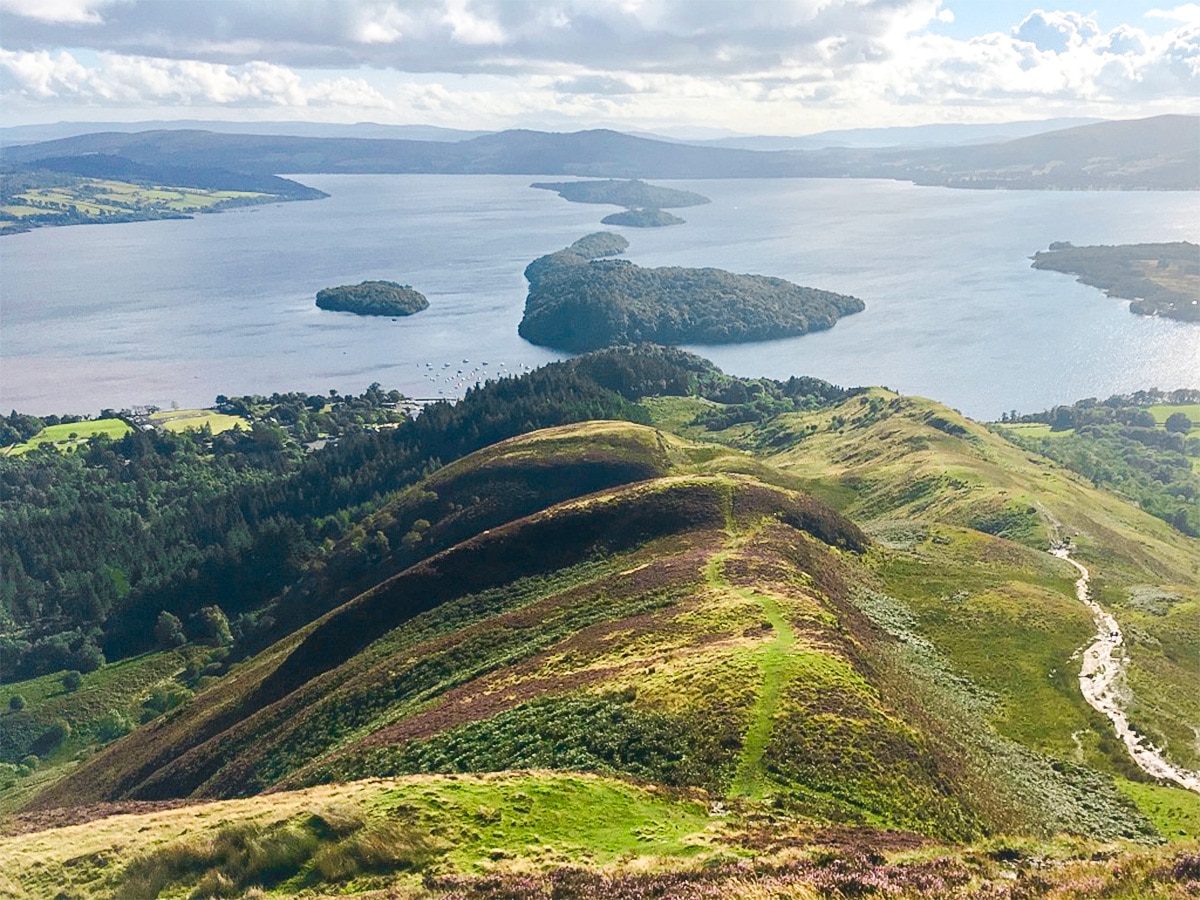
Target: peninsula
373	298
101	188
577	303
1158	279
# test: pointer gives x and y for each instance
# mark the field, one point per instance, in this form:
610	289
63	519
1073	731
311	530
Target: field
1032	429
95	198
67	436
195	419
1162	411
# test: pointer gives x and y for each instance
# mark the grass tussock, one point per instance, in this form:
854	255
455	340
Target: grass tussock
323	848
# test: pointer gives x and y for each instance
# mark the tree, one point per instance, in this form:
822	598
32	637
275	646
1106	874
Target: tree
72	680
214	626
168	631
1178	423
16	703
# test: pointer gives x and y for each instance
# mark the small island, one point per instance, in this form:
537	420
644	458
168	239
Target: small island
1157	279
373	298
578	302
642	218
632	194
644	203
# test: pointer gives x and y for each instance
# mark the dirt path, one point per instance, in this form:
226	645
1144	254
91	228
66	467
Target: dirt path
1103	663
749	780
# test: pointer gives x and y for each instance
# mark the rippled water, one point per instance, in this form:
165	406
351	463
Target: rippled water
180	311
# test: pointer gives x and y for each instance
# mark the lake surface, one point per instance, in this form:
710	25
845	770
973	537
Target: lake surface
180	311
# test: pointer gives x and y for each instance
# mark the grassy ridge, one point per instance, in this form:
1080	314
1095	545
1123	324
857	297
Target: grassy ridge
613	599
540	833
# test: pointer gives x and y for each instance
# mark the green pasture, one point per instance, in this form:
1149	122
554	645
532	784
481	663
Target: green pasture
195	419
1163	411
70	435
1032	429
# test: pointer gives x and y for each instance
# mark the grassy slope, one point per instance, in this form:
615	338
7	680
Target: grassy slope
900	464
512	835
694	629
698	634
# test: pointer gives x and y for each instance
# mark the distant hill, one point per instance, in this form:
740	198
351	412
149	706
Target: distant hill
31	134
119	168
1161	153
934	135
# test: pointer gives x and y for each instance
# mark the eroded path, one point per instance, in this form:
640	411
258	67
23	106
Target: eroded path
772	657
1103	663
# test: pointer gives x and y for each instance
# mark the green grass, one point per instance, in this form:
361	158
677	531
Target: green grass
121	687
1031	429
1174	811
61	435
773	660
1163	411
362	835
195	419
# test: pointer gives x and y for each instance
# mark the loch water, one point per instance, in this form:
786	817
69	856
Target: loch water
180	311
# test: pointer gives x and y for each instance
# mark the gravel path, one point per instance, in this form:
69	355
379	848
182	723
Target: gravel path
1103	663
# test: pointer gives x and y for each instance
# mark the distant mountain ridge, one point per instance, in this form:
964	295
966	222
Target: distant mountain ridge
1160	153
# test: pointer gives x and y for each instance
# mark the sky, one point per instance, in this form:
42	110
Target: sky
782	67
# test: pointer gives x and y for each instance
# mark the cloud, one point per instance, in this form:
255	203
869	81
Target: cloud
776	65
67	12
1188	14
468	36
135	80
1056	32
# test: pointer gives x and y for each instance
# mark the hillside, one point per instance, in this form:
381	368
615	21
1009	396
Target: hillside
784	638
1161	153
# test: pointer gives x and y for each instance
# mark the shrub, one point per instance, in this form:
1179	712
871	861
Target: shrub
112	725
31	761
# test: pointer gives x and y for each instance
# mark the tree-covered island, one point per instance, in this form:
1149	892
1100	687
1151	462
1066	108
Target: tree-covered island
577	303
642	218
1158	279
373	298
632	194
645	204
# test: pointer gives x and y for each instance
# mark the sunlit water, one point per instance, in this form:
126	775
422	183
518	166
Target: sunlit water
180	311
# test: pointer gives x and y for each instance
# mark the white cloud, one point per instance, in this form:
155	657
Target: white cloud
468	28
776	65
1188	14
137	80
69	12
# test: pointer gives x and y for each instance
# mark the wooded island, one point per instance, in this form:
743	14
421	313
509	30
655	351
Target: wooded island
373	298
578	303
